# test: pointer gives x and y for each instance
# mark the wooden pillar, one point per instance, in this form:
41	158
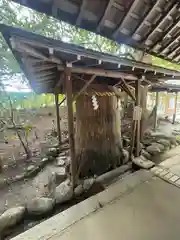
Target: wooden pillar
175	108
138	99
144	93
58	119
166	104
156	108
69	97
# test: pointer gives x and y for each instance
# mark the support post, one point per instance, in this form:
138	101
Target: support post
68	83
156	107
175	108
58	119
144	92
138	99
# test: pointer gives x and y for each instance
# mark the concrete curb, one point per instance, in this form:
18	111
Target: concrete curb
166	175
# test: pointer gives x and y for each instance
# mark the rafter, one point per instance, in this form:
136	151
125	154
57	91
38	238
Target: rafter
145	20
44	67
101	22
173	53
100	72
120	27
24	48
167	14
177	58
177	40
81	11
43	74
167	35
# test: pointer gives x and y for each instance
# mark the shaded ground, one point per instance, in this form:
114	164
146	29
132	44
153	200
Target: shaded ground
140	206
20	192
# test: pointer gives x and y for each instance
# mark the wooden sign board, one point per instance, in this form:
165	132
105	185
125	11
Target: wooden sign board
137	113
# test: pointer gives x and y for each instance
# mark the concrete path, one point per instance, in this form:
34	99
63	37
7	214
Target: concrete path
141	206
172	161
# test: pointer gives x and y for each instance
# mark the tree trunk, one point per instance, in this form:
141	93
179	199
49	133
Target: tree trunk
98	135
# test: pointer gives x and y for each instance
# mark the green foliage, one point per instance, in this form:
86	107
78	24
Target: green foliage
28	100
165	64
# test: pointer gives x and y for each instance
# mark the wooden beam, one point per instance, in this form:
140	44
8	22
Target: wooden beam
68	83
105	57
175	108
84	87
134	125
80	15
144	93
128	90
58	119
138	99
156	108
128	14
100	72
103	18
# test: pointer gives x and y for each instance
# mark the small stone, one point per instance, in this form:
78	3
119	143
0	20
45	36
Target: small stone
30	168
152	149
60	173
52	152
146	154
5	166
11	217
125	156
63	192
164	142
155	170
44	160
40	206
161	147
78	190
142	162
19	177
88	183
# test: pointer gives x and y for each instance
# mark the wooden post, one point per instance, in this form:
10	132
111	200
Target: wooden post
133	139
68	83
138	99
58	119
144	92
156	108
175	108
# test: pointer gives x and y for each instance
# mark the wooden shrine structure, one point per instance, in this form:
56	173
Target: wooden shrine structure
52	66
